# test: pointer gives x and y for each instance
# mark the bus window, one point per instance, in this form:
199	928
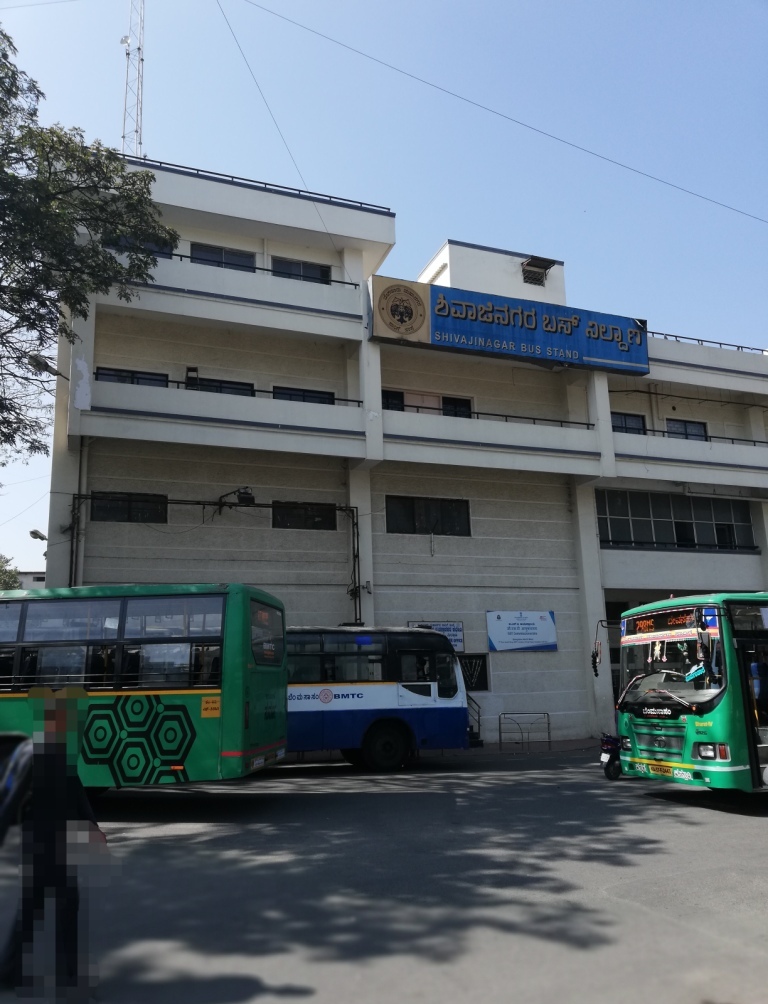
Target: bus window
152	665
71	620
173	616
9	621
353	658
417	667
266	634
304	659
6	668
447	685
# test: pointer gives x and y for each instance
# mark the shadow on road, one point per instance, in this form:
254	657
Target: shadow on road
350	867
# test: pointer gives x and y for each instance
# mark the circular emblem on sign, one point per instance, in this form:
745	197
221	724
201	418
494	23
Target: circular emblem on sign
326	696
402	309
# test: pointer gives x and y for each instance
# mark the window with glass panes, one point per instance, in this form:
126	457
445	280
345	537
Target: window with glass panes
679	428
444	517
657	520
623	422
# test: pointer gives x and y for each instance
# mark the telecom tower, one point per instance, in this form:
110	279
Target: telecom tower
134	80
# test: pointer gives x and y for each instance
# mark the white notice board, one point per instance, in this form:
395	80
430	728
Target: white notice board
521	631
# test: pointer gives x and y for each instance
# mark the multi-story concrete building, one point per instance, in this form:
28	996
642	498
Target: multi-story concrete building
267	413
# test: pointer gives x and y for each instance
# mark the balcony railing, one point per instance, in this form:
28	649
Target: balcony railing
162	256
733	440
264	186
705	341
493	416
229	387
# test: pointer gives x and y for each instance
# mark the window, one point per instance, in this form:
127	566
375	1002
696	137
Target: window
173	617
139	377
633	424
678	428
128	507
303	516
393	400
124	243
267	632
398	400
655	520
446	517
237	387
306	396
208	254
457	407
305	271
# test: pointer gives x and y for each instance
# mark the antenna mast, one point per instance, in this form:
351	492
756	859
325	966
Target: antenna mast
134	80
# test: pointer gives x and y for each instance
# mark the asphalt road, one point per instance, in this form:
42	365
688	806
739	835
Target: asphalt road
475	877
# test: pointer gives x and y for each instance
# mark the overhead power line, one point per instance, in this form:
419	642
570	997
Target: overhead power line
508	118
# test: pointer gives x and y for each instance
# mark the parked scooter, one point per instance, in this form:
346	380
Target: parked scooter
610	748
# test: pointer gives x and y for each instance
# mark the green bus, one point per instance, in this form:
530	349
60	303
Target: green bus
183	682
693	701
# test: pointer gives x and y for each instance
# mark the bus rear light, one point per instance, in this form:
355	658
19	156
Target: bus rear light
723	752
707	751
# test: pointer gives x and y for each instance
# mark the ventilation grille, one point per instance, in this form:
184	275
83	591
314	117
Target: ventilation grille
534	276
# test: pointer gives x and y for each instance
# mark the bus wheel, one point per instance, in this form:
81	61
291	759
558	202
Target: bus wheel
354	757
385	747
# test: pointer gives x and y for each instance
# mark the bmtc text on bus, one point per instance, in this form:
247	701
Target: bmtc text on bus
377	694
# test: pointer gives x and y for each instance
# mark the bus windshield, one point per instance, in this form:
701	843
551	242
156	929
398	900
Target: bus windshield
674	665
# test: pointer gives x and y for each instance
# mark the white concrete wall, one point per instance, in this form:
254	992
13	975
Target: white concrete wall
491	270
495	386
308	569
521	556
265	359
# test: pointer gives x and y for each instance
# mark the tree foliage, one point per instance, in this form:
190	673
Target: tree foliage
75	220
9	576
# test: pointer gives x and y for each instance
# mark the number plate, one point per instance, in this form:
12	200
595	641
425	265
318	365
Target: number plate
605	757
660	770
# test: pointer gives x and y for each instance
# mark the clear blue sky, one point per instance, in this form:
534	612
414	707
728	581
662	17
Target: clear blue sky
676	90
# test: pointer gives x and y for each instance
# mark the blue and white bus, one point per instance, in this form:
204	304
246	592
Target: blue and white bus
377	694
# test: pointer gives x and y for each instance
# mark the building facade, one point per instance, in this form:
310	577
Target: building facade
272	411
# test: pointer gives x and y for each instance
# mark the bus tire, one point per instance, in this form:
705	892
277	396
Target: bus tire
354	757
385	747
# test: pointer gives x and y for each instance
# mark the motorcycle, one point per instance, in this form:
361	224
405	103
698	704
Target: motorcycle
610	748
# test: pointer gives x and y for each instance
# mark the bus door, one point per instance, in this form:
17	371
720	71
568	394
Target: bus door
750	629
265	713
416	679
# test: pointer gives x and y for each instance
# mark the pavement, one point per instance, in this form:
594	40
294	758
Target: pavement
481	875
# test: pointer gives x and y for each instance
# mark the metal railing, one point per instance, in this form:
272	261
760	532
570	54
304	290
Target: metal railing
561	423
264	186
705	341
196	260
350	402
474	710
733	440
537	722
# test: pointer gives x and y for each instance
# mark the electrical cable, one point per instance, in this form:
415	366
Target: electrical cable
25	510
509	118
282	137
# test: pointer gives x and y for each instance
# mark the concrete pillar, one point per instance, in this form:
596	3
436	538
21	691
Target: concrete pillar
600	689
64	479
576	397
360	496
599	407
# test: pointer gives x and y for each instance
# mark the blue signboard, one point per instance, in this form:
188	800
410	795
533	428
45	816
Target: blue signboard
539	332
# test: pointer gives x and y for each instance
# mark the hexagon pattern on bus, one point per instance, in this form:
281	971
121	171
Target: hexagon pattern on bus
139	738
